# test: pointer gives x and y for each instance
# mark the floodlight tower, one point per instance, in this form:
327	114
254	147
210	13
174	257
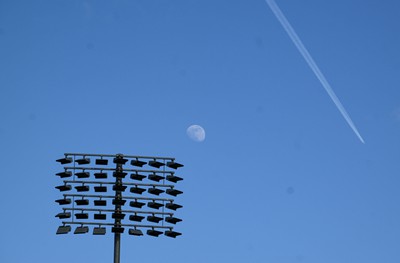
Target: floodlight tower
119	160
80	173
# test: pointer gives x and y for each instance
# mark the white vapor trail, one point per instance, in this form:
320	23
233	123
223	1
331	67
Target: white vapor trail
310	61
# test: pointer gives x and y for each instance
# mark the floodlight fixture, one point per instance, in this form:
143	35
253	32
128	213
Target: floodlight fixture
119	187
100	202
172	220
100	216
154	205
63	230
99	231
83	161
118	230
120	160
64	201
156	164
173	206
173	192
154	219
64	174
65	160
118	215
100	189
173	234
82	188
100	175
82	174
119	174
155	177
173	178
82	201
174	165
136	218
137	190
81	230
138	163
101	161
81	215
154	233
155	191
64	215
117	201
136	204
135	232
136	176
65	187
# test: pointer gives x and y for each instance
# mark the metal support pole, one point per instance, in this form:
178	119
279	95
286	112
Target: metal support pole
117	222
117	247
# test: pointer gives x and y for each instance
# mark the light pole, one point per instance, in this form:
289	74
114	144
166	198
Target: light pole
86	203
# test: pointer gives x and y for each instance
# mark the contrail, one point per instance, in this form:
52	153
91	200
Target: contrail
310	61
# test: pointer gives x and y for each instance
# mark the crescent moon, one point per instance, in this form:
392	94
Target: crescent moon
196	133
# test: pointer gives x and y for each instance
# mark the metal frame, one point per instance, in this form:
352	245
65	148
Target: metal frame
163	165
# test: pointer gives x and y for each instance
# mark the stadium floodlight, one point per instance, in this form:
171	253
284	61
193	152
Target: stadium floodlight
174	165
93	200
100	202
172	220
154	233
81	215
136	176
63	230
156	164
117	230
118	215
136	218
64	174
119	174
64	215
100	216
173	178
137	190
155	177
135	232
172	234
117	201
154	205
101	161
173	192
154	219
120	160
82	174
100	189
63	188
100	175
65	160
82	188
138	163
64	201
81	230
136	204
173	206
119	187
99	231
82	201
155	191
83	161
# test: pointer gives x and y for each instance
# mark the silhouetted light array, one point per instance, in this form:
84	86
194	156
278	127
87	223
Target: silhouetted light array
99	190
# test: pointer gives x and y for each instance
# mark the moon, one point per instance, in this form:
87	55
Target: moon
196	133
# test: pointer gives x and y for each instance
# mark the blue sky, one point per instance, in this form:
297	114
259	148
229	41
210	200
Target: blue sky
280	177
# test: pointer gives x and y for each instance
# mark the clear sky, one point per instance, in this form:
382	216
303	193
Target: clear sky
281	177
